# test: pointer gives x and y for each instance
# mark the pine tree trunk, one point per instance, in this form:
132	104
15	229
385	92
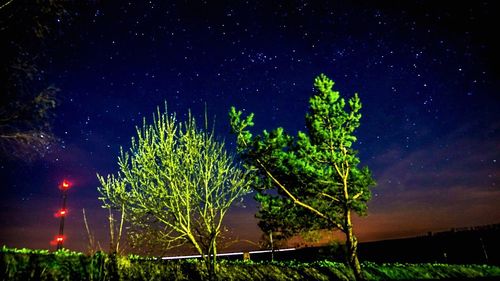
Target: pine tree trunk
352	248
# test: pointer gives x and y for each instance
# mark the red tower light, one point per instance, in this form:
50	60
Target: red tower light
65	185
61	213
57	240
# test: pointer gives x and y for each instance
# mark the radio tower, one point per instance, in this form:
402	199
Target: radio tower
64	186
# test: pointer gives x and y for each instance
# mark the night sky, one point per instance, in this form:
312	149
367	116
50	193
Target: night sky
427	75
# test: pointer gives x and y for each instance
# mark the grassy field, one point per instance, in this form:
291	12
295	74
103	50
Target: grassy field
25	264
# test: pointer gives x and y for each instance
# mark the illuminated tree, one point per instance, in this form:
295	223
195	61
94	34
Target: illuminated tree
176	184
316	175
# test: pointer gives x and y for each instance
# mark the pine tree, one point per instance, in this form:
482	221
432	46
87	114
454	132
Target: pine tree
315	173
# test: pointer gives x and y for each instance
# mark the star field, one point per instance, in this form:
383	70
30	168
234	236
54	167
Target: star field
427	75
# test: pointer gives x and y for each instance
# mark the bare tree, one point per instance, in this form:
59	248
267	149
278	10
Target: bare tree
176	184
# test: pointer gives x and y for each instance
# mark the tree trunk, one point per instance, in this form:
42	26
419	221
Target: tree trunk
211	259
214	259
352	248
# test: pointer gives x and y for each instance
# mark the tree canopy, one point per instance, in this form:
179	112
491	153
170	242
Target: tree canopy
312	180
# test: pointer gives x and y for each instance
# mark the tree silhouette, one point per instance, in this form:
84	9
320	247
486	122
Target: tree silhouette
27	100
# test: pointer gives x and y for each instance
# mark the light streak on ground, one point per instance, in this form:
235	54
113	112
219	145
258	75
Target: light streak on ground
228	254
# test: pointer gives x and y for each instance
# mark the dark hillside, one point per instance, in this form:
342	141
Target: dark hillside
475	245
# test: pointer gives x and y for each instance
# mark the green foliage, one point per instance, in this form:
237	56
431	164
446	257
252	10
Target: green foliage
27	265
315	173
309	168
427	271
311	236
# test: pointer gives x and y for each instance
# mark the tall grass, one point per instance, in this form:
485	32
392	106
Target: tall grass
26	264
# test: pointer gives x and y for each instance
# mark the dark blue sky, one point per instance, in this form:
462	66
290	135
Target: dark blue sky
427	75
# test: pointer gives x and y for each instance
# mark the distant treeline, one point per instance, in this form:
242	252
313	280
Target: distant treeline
471	245
488	227
474	245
